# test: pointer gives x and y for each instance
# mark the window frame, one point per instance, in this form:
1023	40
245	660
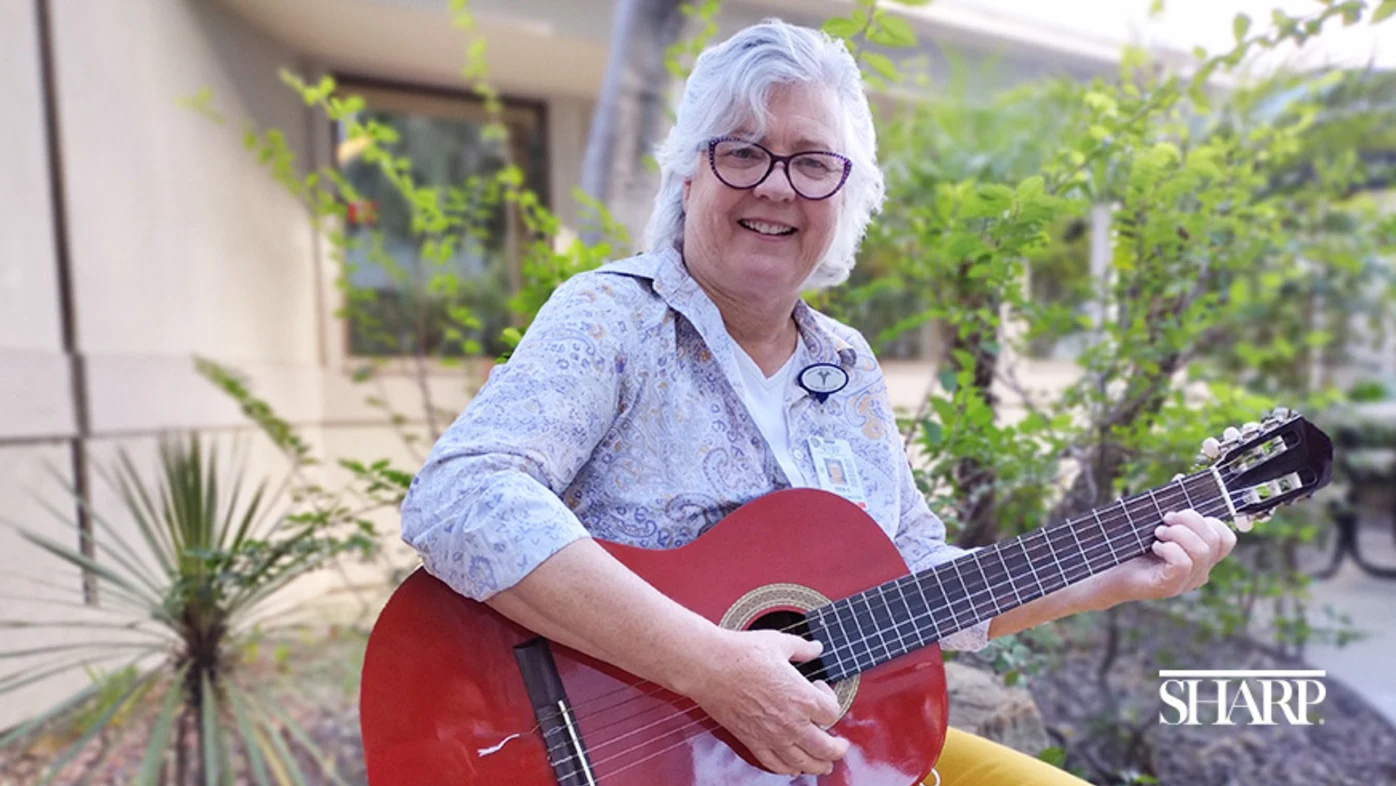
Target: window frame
514	106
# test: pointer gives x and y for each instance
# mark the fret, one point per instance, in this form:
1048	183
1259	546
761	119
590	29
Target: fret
1071	527
1218	493
930	612
1022	544
988	585
1157	507
820	631
1009	575
964	587
1183	484
893	618
1103	531
877	628
911	617
1047	539
1133	527
949	601
854	645
967	594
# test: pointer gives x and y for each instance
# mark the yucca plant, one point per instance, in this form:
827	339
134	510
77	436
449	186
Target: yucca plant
182	602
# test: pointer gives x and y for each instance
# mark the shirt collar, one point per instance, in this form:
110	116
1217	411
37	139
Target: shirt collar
671	281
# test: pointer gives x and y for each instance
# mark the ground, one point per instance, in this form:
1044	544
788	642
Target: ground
1354	744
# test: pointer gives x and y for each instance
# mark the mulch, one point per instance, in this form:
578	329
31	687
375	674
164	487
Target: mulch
1110	727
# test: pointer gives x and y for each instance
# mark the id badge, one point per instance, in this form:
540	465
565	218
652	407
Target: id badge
837	469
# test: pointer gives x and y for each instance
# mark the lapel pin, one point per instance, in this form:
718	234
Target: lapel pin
822	379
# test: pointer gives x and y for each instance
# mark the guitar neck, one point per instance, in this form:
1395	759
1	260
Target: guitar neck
884	622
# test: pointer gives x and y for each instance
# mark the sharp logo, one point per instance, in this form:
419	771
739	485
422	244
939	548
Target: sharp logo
1240	697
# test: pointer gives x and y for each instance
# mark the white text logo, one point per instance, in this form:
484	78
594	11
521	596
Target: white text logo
1240	696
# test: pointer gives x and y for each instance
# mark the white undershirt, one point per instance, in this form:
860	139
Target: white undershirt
765	400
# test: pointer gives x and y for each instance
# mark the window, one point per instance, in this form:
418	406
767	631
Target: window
397	311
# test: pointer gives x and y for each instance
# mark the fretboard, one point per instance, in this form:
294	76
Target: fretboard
884	622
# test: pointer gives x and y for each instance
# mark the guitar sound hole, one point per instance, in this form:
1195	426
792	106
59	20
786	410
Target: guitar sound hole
793	623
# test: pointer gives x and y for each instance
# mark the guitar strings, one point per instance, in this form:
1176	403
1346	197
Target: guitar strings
1110	519
701	721
707	722
973	598
610	742
683	710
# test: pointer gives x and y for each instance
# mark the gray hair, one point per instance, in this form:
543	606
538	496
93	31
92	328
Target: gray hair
730	84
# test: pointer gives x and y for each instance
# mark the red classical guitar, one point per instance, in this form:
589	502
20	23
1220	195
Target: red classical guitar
454	694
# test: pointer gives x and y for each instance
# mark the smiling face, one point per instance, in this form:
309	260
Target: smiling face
757	246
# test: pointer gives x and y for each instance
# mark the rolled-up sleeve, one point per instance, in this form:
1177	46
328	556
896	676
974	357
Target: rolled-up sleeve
485	510
921	540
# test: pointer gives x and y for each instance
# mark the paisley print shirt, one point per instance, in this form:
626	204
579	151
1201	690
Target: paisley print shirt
620	416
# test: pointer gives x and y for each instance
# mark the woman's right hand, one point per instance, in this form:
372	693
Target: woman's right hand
747	684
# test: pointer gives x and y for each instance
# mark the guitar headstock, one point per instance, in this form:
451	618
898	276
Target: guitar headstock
1274	462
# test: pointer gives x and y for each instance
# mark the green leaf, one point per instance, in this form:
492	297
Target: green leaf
1054	756
1318	338
1240	291
882	64
1240	26
964	245
100	724
892	31
215	752
1384	11
324	760
948	380
841	27
1156	8
992	199
932	433
250	743
160	734
287	766
1031	188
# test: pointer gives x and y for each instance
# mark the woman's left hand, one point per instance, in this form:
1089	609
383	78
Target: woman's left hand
1188	545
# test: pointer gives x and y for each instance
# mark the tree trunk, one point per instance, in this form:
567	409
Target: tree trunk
975	479
1096	483
630	112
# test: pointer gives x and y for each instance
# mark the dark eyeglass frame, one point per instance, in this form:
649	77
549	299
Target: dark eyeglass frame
771	165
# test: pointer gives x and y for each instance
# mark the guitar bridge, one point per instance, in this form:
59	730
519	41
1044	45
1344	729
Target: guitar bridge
561	736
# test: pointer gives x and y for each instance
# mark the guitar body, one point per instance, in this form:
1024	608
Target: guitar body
444	701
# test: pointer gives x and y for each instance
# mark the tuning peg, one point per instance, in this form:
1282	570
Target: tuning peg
1231	434
1211	448
1280	413
1244	522
1250	428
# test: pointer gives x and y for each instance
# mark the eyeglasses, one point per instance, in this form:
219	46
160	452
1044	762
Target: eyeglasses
742	164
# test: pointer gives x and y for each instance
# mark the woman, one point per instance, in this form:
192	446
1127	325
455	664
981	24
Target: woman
654	396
